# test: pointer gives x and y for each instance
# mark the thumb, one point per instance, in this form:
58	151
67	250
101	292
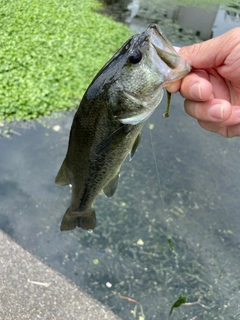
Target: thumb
211	53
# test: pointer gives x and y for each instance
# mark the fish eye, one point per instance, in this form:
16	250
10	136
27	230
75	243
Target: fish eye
135	56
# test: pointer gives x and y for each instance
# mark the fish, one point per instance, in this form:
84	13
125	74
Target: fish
107	125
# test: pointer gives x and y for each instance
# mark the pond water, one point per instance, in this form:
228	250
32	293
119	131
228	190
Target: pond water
183	21
183	185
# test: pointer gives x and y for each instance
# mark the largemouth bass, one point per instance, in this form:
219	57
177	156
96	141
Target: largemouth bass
107	125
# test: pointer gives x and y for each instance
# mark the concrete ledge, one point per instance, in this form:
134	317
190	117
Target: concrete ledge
29	289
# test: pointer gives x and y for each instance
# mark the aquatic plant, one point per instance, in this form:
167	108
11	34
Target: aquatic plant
49	53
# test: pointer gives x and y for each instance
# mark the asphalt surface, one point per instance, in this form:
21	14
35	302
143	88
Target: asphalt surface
29	289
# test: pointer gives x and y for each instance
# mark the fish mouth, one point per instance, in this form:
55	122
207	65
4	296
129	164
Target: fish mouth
171	64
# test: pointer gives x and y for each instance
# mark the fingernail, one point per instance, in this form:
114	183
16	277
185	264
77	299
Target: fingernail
216	111
195	91
237	112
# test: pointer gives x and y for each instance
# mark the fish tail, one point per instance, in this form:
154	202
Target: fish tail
72	220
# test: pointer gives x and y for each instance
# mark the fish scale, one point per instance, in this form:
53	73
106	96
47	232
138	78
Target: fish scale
107	125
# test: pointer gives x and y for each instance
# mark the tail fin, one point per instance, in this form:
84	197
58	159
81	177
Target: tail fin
73	220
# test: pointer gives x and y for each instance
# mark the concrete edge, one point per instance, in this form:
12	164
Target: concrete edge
29	289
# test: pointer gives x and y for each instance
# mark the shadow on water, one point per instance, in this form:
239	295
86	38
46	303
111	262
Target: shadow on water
195	202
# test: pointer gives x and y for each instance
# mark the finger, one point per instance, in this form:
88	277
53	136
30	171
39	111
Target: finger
174	86
207	54
177	49
195	86
233	119
233	131
226	131
213	127
212	110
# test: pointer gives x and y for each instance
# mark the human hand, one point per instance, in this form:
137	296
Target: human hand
212	89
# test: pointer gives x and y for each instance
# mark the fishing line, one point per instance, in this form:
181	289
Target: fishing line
169	237
158	179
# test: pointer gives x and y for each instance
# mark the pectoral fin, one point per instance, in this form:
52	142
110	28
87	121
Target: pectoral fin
114	138
111	187
135	146
61	178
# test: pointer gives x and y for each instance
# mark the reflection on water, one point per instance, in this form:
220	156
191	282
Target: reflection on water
195	203
226	20
185	21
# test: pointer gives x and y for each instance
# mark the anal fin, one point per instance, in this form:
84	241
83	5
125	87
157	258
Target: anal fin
111	187
61	178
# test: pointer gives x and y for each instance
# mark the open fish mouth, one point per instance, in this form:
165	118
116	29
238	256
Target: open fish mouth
167	64
172	65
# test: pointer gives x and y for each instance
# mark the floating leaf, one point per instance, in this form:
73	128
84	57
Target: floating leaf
151	126
95	261
181	300
140	242
171	244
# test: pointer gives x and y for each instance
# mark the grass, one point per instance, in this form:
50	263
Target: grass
49	52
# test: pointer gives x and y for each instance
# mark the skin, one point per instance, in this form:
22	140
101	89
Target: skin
212	89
